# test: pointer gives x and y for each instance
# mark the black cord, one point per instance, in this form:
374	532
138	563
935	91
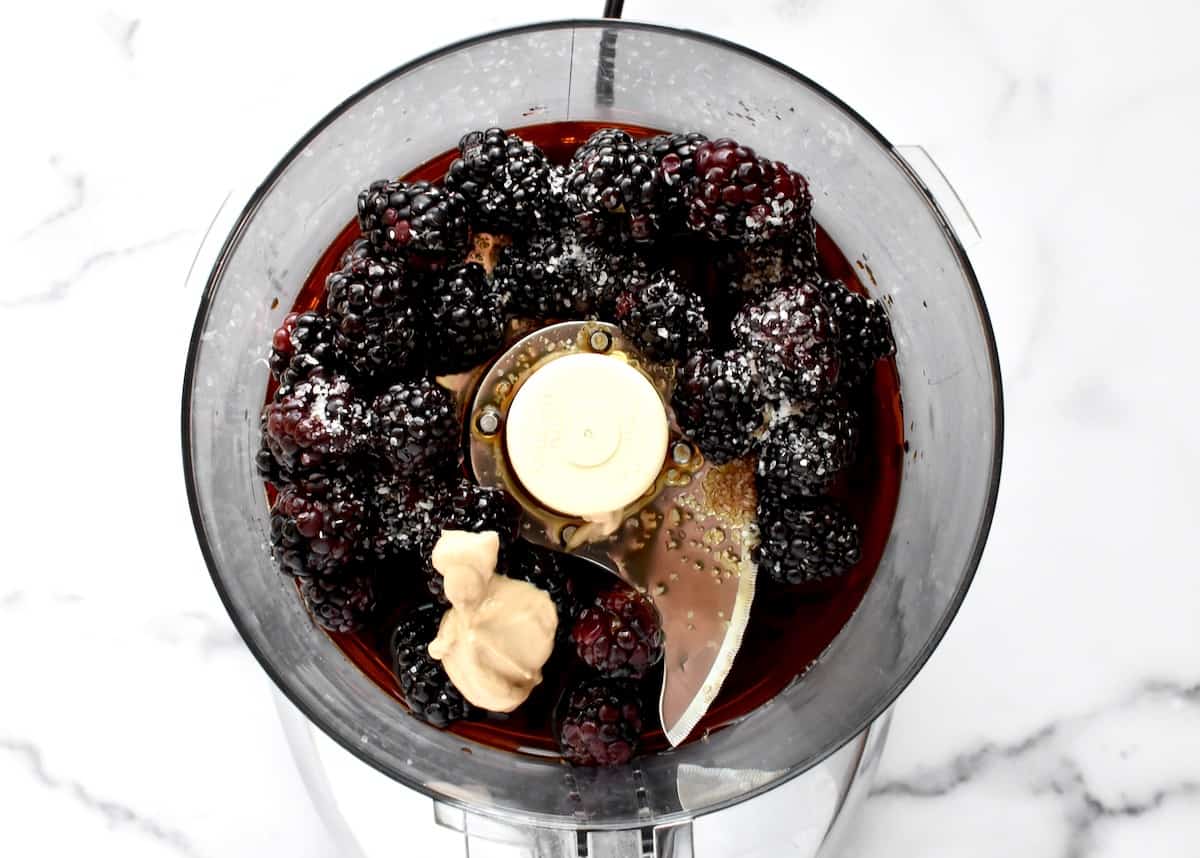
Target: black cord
613	8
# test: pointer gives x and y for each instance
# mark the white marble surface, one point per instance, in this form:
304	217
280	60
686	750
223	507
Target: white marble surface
1061	715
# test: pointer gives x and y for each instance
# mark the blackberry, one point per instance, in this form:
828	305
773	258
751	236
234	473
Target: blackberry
302	343
718	405
794	341
474	508
563	276
620	634
507	182
416	427
316	524
372	307
759	269
738	195
340	603
801	454
315	422
802	543
360	248
466	319
864	333
666	320
612	183
416	218
546	570
265	463
407	514
675	156
600	723
424	685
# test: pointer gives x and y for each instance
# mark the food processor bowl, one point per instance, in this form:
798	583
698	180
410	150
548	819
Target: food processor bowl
869	200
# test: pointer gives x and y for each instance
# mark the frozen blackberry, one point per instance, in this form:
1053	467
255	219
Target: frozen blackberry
407	516
736	194
507	182
793	339
802	454
612	183
600	723
474	508
301	344
416	427
563	276
427	690
466	319
675	155
414	218
667	321
316	524
315	422
360	248
718	405
804	542
546	570
759	269
340	603
372	307
265	463
620	634
864	333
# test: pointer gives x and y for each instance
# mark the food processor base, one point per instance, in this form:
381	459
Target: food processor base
369	815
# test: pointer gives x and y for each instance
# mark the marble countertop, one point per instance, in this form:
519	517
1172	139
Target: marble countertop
1061	714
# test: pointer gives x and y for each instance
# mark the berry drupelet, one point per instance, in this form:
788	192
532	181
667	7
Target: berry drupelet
718	405
619	635
801	454
667	321
735	194
864	333
314	423
340	603
466	319
371	305
407	515
675	156
302	343
427	690
793	339
426	223
801	543
600	723
416	428
563	276
612	184
757	270
316	525
507	183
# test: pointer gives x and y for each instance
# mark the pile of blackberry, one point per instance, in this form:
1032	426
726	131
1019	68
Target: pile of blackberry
702	251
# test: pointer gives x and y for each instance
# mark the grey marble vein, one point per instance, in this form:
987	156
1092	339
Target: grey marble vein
114	812
1085	810
1083	804
60	288
76	197
964	768
969	765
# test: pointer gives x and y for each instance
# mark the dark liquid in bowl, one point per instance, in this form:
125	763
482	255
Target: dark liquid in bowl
789	628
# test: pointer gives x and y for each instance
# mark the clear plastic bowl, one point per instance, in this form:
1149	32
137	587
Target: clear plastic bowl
868	199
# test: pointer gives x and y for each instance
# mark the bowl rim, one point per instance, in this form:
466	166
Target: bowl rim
262	189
